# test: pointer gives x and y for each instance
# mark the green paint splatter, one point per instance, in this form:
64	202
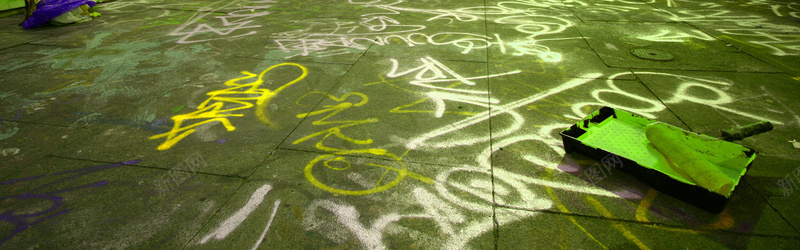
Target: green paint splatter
86	120
6	94
178	109
151	117
197	48
8	133
94	43
119	62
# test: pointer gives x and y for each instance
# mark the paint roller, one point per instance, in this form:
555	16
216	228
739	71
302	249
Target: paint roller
701	171
746	131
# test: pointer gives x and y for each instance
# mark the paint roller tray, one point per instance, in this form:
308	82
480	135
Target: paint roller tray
614	132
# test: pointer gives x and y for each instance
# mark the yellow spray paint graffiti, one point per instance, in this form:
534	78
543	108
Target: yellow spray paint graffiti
337	159
402	171
212	109
334	110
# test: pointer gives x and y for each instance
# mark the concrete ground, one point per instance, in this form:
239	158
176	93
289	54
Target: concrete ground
402	124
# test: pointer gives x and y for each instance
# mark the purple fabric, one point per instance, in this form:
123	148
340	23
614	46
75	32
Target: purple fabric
48	9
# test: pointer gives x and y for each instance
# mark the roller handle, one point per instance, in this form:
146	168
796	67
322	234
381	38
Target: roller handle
746	131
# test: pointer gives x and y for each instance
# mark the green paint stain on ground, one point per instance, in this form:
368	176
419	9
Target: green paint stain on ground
94	43
177	109
8	133
151	117
6	94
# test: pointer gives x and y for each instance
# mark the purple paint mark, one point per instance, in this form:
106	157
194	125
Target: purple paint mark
18	115
628	194
221	141
19	180
131	162
25	221
745	227
97	168
656	209
569	168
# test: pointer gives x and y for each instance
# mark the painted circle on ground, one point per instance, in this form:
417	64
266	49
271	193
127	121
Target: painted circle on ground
339	157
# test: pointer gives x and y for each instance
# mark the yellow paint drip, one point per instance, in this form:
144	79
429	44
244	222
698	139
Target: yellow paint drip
564	209
625	232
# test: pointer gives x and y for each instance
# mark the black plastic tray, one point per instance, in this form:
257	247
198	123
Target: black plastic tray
646	164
